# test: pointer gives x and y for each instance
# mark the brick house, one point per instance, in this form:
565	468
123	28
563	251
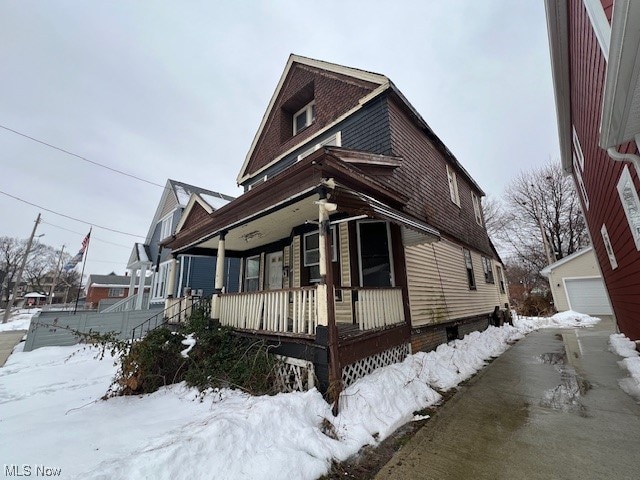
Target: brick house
596	74
110	289
360	235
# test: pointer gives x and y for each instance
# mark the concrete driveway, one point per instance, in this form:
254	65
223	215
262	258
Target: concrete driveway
8	340
549	407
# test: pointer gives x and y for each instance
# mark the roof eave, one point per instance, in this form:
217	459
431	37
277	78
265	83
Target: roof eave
557	27
622	83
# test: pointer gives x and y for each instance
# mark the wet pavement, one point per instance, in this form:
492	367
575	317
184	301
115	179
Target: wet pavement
550	407
8	340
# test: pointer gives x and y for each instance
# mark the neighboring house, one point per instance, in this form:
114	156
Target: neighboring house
596	73
196	272
361	236
576	284
106	290
34	299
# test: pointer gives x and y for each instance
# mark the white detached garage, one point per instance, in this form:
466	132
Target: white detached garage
576	284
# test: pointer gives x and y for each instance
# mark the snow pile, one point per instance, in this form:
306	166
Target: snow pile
19	320
624	347
177	433
568	319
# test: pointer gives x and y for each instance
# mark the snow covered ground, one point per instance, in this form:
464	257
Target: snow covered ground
624	347
51	411
19	320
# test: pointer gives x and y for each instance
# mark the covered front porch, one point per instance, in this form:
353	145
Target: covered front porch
322	253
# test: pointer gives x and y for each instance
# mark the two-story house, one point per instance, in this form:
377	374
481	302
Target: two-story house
360	235
596	74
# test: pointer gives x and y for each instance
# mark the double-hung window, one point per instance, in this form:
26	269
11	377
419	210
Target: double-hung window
488	270
116	292
304	117
453	186
311	253
476	208
468	263
165	227
252	274
630	203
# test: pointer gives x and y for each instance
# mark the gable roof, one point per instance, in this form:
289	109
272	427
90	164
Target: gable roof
375	78
549	268
385	84
209	206
179	192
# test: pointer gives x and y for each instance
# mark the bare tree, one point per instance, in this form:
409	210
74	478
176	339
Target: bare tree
541	205
11	253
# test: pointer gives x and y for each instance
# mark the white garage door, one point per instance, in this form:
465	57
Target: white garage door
588	295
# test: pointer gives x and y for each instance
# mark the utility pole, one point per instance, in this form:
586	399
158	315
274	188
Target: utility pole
7	312
55	280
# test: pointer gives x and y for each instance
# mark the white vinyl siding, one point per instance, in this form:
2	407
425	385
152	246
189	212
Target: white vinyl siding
438	285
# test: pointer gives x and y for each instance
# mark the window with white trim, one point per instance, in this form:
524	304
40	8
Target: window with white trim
160	281
116	292
579	182
608	247
476	208
334	140
311	252
165	227
500	279
468	263
577	150
252	274
487	267
304	117
453	186
630	203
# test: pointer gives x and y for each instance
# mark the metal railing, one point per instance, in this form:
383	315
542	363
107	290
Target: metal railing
172	315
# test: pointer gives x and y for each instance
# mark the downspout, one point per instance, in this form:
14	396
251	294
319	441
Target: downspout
615	155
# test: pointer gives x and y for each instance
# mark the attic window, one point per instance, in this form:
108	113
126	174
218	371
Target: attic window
304	117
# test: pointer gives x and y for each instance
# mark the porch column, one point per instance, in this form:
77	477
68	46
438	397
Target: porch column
219	281
132	282
326	299
171	282
171	278
143	274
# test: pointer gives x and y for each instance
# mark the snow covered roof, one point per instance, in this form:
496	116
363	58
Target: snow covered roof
183	192
35	295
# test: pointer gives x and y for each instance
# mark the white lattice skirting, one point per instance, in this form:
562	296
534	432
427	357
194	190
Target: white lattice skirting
295	375
359	369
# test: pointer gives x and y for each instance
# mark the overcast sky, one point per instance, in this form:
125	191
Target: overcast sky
177	90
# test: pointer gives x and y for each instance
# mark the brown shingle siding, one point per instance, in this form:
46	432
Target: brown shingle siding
334	95
423	176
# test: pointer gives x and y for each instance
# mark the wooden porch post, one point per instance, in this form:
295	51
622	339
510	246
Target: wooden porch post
327	304
219	282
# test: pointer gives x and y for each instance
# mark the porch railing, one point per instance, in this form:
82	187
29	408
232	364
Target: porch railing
127	304
291	310
377	307
177	312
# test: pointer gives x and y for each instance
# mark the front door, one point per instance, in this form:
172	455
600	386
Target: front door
274	270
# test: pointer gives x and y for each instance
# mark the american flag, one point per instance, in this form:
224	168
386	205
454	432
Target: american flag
71	264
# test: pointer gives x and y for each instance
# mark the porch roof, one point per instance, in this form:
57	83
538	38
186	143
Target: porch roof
269	212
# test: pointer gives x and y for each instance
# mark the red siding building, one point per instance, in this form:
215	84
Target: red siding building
594	55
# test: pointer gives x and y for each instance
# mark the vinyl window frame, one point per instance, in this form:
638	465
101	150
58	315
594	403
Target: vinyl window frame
452	180
309	112
468	263
608	247
305	251
630	203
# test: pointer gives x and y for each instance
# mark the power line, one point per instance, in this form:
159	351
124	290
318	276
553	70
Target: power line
81	157
83	234
70	217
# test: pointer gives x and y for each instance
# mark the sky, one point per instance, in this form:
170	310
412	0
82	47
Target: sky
178	433
177	90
